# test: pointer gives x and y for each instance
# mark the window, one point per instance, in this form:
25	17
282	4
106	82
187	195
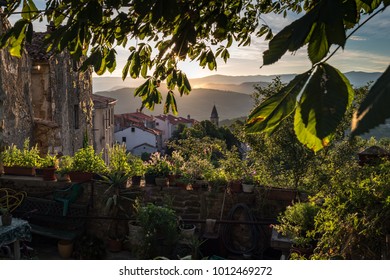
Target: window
133	129
123	139
76	116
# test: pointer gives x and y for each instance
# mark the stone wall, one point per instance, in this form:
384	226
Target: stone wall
201	205
16	122
71	91
41	95
190	205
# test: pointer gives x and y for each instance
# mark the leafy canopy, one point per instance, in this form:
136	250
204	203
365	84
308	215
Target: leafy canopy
169	31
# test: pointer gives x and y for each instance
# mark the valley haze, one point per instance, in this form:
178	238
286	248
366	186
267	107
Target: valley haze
230	94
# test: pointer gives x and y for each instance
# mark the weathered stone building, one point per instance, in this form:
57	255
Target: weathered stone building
103	123
16	117
44	97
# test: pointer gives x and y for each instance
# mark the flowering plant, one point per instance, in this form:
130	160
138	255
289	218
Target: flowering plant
249	178
158	165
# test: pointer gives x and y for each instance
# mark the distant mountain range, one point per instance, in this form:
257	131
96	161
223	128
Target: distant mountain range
230	94
241	84
198	104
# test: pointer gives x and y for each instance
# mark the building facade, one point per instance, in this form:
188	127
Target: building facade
44	98
103	123
169	124
139	139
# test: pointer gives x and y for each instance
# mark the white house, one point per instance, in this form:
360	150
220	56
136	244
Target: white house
139	139
169	123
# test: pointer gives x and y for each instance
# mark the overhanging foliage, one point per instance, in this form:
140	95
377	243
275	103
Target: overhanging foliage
202	31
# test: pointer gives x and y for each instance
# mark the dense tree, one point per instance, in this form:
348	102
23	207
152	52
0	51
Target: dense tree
204	30
280	159
207	129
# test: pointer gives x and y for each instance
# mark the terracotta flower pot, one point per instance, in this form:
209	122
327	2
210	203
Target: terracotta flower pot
114	245
6	219
20	171
65	248
235	186
150	179
136	180
49	174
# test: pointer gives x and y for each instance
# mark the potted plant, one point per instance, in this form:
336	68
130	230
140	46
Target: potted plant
187	231
20	162
177	162
297	223
86	163
199	169
49	165
137	168
115	197
118	159
249	181
160	227
64	167
159	167
6	217
234	169
217	179
9	201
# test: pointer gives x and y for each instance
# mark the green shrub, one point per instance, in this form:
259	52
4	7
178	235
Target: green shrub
160	227
118	159
27	157
86	160
297	223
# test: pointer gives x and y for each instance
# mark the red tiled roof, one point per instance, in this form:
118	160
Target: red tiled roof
176	120
102	101
141	116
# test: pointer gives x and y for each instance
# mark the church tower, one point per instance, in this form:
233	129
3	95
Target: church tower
214	116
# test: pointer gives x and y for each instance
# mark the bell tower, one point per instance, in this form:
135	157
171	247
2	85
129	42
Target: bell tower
214	117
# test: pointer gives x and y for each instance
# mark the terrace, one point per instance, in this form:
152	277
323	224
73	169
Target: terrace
224	227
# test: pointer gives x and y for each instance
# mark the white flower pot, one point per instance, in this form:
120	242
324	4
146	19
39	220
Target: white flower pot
248	188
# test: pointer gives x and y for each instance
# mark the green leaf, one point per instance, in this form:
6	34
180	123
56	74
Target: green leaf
322	106
142	90
126	68
263	30
170	102
111	61
267	116
30	32
171	80
135	66
184	85
374	109
144	70
318	45
16	39
291	38
29	10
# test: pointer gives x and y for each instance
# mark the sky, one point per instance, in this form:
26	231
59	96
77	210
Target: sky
367	50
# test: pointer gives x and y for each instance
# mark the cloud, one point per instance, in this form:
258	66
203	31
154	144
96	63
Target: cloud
360	60
357	38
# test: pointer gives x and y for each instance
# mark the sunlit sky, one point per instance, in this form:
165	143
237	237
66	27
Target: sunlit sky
367	50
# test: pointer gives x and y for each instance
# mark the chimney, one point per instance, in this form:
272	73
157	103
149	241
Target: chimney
188	117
